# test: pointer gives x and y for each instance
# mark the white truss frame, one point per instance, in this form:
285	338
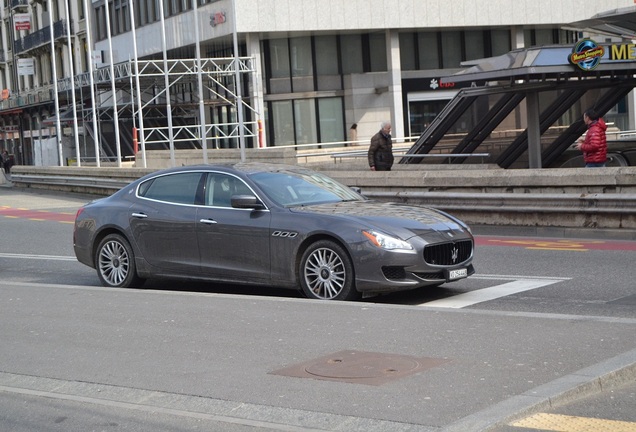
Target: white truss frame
218	74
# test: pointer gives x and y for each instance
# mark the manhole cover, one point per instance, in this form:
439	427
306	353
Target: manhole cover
360	367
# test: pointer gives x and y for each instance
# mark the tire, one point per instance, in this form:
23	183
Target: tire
326	272
115	263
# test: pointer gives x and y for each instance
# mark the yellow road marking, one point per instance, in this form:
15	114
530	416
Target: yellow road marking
558	248
564	423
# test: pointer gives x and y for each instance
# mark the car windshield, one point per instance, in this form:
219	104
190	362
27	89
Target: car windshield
288	188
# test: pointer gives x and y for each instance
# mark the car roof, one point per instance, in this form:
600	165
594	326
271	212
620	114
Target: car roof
244	167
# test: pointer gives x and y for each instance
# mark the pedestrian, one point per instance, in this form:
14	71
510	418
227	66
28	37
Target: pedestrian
6	161
381	149
353	134
594	146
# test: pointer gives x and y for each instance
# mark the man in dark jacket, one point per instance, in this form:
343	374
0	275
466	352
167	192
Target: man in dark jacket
594	147
381	149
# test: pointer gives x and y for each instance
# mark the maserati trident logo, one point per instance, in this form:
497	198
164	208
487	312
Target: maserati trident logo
454	254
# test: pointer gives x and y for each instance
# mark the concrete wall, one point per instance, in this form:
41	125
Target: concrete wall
569	198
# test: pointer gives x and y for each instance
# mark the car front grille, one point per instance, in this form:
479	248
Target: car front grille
448	254
394	273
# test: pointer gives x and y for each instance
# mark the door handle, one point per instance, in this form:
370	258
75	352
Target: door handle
139	215
208	221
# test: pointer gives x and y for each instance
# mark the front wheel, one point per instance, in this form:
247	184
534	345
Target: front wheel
326	272
115	263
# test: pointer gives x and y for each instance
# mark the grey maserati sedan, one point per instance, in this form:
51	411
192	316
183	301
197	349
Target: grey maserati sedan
272	225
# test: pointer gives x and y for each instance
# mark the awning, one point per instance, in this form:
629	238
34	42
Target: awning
619	22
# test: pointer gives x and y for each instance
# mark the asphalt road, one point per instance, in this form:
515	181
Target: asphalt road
540	314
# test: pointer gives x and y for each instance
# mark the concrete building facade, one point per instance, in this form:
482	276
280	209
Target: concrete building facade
316	68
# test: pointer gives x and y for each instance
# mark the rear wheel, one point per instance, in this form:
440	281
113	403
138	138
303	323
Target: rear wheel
326	272
115	263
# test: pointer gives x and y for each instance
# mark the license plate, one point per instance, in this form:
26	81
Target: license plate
457	274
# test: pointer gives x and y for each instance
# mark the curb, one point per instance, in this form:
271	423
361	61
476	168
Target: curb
589	381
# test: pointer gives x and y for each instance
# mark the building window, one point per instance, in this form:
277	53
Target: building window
377	52
282	123
428	50
327	67
331	119
351	55
500	42
451	49
301	64
474	44
408	58
305	121
279	68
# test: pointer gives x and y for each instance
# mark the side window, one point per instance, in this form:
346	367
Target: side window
219	189
180	188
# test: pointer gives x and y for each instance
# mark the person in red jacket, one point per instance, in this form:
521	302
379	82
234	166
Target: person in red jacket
594	147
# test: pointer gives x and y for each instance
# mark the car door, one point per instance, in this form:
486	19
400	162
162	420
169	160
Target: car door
233	243
163	222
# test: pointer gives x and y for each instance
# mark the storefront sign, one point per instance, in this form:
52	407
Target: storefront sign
623	52
438	84
586	54
22	21
26	66
217	18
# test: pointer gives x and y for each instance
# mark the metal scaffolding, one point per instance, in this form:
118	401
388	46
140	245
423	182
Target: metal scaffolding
143	98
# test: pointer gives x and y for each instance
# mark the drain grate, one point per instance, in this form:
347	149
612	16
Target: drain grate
360	367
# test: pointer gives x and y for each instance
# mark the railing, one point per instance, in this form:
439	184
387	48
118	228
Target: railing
40	37
340	155
577	207
19	3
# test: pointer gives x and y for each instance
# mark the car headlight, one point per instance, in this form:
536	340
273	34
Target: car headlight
387	242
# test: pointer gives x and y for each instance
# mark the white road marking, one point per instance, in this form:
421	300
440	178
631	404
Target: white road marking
519	284
38	257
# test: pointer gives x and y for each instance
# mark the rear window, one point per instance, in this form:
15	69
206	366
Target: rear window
180	188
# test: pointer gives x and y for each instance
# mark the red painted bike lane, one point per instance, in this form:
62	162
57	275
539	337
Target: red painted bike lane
38	215
555	244
523	242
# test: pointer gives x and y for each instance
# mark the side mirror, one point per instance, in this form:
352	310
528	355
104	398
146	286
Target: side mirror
246	202
356	189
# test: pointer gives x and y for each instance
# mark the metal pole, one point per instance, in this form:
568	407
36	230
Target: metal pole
237	79
71	58
112	86
204	141
138	93
167	83
92	82
58	131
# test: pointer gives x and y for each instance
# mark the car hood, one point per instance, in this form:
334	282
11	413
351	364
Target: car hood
398	219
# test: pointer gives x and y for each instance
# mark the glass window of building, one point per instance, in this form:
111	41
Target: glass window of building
544	37
331	119
327	70
301	64
408	59
282	122
351	54
279	81
451	49
500	42
305	121
474	43
428	50
377	52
